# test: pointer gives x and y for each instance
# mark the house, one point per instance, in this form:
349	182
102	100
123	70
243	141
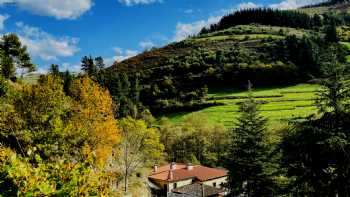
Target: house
176	177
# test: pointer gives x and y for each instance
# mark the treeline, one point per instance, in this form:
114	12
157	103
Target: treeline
327	3
266	16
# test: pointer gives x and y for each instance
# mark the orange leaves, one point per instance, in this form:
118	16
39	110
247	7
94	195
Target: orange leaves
95	112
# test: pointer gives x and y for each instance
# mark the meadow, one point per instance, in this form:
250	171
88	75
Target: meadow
278	104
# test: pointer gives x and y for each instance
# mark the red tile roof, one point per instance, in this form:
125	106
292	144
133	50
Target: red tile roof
181	172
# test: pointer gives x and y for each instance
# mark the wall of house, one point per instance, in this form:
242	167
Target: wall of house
218	182
171	186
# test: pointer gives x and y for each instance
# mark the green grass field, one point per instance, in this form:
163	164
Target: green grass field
280	104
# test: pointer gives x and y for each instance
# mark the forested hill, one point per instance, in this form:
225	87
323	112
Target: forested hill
265	46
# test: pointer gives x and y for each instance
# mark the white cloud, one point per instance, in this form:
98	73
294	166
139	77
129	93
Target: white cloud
293	4
120	55
60	9
183	30
76	68
44	45
247	5
138	2
3	18
146	44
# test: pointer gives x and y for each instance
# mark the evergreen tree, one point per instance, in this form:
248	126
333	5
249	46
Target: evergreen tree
331	32
88	66
13	55
67	82
249	153
316	151
99	63
54	70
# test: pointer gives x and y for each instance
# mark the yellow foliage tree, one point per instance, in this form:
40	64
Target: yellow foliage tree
94	107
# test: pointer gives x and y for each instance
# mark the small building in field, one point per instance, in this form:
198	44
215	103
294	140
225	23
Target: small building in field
177	178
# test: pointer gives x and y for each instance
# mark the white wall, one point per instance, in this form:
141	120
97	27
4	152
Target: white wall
218	182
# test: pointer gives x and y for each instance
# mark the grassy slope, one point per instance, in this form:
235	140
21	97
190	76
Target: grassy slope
281	104
338	8
250	36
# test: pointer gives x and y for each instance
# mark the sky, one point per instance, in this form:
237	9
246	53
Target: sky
63	31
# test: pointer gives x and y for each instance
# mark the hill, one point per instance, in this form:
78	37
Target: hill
338	7
267	47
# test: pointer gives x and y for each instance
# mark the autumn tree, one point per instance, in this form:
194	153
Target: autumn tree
94	114
13	55
36	118
139	146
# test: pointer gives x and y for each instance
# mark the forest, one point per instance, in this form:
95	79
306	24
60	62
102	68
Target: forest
98	132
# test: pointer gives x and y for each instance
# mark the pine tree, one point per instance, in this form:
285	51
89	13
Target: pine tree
316	151
249	153
54	70
331	32
88	66
13	55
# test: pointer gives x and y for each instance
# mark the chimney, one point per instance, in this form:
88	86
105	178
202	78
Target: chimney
155	168
189	166
172	166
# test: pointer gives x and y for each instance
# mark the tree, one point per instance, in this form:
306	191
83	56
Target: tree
54	70
88	66
139	146
3	86
13	56
248	155
335	89
94	109
67	81
54	144
315	152
331	32
99	63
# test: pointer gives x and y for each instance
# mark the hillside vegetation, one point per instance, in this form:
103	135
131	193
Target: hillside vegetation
278	104
267	47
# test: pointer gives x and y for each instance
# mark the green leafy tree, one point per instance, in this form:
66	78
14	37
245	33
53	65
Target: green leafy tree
3	86
139	146
13	55
249	153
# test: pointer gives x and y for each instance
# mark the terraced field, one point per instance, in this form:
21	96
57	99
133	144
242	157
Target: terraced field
279	104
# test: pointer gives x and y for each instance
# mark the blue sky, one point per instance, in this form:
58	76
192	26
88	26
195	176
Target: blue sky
62	31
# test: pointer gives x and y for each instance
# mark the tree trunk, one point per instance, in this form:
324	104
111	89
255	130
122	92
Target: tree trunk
126	182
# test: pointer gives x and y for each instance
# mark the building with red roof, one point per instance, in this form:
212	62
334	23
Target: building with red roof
173	176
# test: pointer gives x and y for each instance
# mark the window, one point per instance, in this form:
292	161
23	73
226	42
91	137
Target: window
214	184
175	185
